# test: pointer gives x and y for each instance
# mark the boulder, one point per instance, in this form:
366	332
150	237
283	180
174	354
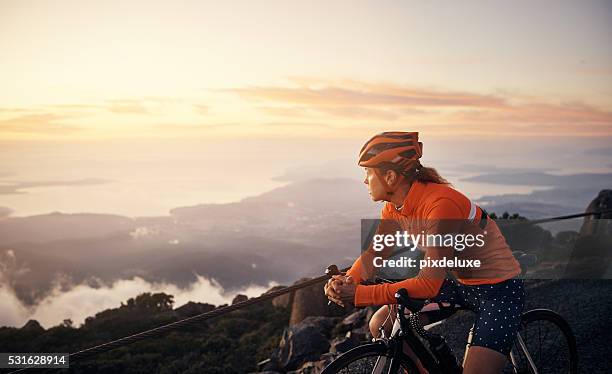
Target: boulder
370	313
325	360
33	326
361	333
591	256
192	309
355	318
303	342
239	299
309	367
323	324
598	224
343	344
308	301
282	301
299	344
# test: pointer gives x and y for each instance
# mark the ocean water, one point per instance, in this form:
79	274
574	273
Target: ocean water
154	190
150	178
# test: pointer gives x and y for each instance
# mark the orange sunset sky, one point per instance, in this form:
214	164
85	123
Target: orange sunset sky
91	74
109	69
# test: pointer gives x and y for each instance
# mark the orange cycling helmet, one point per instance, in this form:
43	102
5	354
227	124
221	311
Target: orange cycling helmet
395	149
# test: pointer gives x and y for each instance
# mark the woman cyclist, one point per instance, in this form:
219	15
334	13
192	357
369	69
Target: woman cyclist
417	197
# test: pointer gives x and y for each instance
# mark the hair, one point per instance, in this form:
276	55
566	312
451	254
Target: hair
416	172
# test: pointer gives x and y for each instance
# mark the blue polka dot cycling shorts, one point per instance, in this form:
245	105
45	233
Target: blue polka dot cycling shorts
498	308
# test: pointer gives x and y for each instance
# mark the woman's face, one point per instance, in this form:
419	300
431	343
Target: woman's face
375	187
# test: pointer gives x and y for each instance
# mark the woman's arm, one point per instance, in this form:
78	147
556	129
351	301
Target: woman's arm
444	216
425	285
363	268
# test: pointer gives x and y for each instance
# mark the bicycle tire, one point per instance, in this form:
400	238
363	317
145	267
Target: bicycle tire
546	315
364	351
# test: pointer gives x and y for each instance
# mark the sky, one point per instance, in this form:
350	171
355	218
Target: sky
137	107
212	83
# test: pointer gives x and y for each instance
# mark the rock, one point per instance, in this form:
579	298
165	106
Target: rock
263	365
361	334
282	301
323	324
355	318
566	238
369	313
326	359
309	367
303	342
341	345
192	309
271	364
591	256
239	299
32	326
309	301
595	224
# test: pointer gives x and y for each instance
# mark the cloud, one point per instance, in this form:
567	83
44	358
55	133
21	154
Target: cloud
83	301
127	107
12	311
295	124
540	113
76	106
605	152
164	99
15	110
46	123
196	129
438	110
4	211
202	109
324	112
16	188
368	95
293	111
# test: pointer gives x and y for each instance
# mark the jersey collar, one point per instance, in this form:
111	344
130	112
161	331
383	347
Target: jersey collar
413	197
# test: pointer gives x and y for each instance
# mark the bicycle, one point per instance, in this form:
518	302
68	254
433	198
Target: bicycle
386	354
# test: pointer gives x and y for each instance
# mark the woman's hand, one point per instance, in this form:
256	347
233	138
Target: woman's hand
330	289
346	291
340	289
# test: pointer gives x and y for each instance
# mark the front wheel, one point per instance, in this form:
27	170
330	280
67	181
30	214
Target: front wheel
371	358
544	344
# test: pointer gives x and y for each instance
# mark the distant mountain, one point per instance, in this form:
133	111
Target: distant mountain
531	210
568	193
545	179
315	212
279	236
316	196
55	226
539	204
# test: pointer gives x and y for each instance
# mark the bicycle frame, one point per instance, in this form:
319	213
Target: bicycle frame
401	334
523	347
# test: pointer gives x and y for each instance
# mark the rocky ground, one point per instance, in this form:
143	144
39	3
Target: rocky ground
309	344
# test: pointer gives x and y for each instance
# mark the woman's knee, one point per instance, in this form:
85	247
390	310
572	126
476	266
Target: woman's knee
378	319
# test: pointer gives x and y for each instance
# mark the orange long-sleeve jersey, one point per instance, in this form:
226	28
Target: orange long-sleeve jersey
427	204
